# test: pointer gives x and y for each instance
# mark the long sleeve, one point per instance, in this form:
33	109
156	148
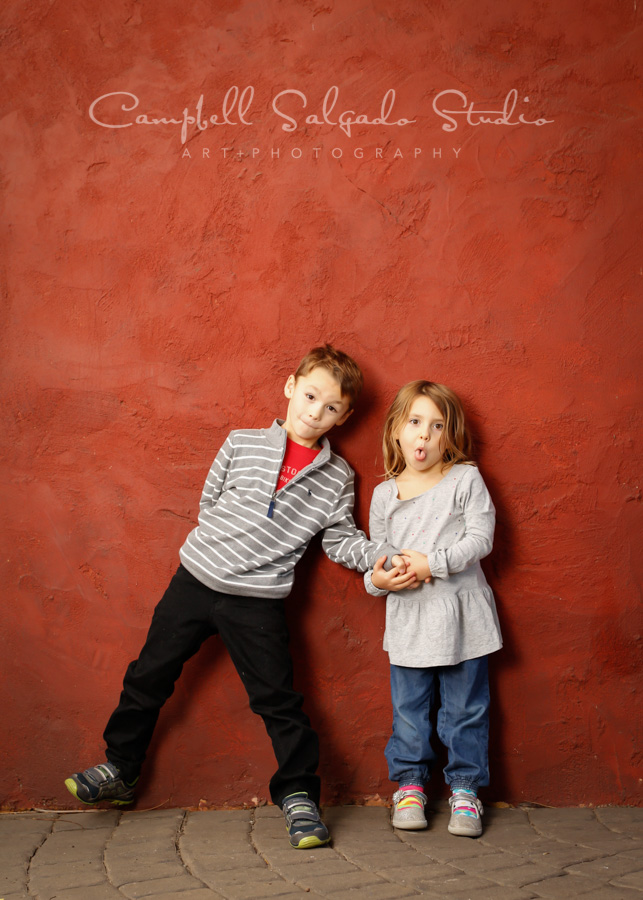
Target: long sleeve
452	617
377	531
217	475
473	499
344	543
249	537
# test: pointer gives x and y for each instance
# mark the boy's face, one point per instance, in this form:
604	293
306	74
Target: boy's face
316	404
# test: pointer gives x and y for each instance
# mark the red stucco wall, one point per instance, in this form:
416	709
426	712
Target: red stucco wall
153	299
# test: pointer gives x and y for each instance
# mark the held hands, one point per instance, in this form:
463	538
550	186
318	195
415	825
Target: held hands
399	578
399	562
419	563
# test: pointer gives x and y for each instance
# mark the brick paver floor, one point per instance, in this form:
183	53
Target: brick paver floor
176	854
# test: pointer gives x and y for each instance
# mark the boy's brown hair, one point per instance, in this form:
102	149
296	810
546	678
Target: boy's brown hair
344	369
456	438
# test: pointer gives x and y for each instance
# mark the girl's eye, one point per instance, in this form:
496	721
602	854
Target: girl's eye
413	421
309	397
439	426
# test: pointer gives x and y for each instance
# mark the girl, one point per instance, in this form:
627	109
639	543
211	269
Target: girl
435	502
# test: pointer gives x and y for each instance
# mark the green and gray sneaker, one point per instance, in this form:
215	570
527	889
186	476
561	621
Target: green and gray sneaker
305	828
101	782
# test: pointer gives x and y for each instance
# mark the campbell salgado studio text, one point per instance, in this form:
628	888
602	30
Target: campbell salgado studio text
452	107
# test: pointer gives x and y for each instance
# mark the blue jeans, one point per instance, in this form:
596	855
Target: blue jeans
463	723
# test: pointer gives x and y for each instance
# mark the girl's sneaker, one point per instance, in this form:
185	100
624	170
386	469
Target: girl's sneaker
408	810
466	811
101	782
305	828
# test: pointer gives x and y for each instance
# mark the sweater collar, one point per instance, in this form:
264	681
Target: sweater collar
277	436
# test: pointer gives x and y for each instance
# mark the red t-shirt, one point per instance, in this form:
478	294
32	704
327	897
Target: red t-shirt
297	458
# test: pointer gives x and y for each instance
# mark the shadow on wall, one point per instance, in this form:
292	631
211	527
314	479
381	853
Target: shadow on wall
341	669
506	661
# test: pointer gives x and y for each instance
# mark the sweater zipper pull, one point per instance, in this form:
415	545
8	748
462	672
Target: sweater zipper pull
272	505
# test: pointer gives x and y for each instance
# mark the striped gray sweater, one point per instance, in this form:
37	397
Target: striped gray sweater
250	537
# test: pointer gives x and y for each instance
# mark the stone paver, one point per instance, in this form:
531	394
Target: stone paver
622	819
20	836
578	826
176	854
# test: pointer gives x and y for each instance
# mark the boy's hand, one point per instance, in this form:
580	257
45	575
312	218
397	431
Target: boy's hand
394	579
398	562
419	563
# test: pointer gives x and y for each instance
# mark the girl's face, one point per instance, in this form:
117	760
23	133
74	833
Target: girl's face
421	436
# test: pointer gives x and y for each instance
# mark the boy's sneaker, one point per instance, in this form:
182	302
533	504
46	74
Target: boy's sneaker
466	811
101	782
305	828
408	810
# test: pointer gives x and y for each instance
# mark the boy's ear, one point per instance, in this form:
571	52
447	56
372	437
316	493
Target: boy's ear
289	387
349	412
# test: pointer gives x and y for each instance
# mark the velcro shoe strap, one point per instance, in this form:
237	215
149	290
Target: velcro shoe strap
466	806
103	772
303	816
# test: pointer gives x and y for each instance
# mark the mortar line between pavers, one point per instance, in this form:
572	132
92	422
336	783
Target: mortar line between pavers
253	822
180	831
622	834
251	839
600	822
402	838
520	854
533	826
599	854
36	849
609	830
256	850
177	842
544	834
602	825
386	880
112	833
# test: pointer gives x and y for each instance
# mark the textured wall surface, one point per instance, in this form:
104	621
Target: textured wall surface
158	291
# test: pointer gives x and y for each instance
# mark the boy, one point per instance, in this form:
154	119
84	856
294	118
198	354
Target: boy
268	492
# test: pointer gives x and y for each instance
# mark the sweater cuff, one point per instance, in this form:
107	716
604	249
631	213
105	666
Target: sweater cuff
370	587
438	564
385	550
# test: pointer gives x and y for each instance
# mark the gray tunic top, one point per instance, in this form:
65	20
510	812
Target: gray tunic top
454	617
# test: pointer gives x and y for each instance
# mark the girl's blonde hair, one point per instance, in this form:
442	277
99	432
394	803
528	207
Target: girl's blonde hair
456	436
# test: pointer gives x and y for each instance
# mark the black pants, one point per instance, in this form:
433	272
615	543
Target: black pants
255	633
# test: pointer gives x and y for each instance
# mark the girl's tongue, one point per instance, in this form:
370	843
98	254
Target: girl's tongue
420	454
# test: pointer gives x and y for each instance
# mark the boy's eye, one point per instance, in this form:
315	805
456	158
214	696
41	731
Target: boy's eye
309	397
332	409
